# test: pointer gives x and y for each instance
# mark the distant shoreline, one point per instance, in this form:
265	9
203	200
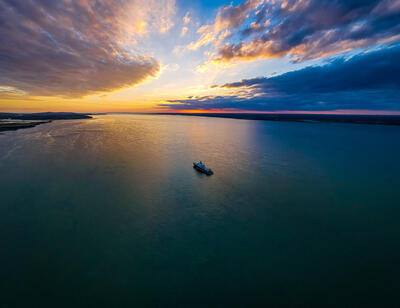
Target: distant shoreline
305	118
6	126
15	121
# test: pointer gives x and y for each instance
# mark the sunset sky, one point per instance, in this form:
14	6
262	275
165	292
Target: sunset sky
340	56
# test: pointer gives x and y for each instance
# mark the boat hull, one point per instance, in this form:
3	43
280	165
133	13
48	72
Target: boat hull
207	172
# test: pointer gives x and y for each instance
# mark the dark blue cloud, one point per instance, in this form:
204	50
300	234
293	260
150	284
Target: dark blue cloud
311	29
366	81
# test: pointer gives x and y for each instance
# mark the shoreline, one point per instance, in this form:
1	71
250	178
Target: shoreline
303	118
15	121
12	126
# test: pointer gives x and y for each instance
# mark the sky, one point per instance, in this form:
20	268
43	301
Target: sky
306	56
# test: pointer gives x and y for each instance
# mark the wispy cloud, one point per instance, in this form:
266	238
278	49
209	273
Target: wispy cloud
11	90
184	30
186	18
366	81
75	48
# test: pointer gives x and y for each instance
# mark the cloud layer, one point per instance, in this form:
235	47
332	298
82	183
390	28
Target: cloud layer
302	29
366	81
75	48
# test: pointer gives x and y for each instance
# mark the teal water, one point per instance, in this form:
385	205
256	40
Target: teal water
110	213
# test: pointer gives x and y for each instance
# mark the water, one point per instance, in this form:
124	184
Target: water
109	212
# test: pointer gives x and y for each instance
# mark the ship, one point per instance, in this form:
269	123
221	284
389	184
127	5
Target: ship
202	168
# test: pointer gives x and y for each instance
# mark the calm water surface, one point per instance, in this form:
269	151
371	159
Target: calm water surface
109	212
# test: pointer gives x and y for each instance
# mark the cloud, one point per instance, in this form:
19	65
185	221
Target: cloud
75	48
366	81
173	67
302	29
228	17
186	18
11	90
183	31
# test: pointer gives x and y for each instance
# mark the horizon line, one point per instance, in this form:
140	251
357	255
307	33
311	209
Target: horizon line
195	112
